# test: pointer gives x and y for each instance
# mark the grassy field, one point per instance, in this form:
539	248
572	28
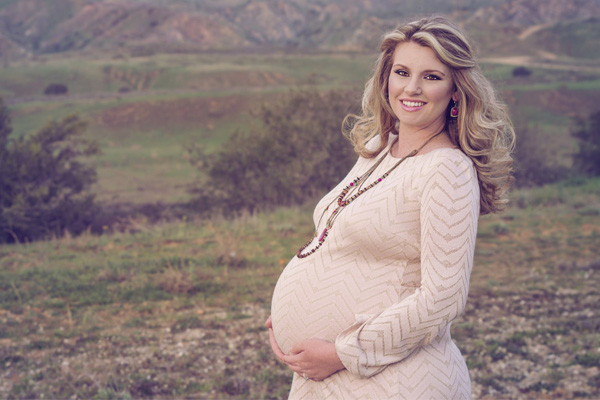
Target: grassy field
176	310
170	101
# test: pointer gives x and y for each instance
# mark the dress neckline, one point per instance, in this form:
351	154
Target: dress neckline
392	139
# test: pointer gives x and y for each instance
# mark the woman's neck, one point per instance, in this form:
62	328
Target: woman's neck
410	138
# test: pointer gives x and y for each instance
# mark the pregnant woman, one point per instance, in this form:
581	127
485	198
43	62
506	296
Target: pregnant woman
364	309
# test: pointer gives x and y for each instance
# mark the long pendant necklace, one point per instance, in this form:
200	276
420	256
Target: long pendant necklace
353	190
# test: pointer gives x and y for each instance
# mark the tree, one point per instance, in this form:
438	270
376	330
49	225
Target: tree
45	180
297	153
587	159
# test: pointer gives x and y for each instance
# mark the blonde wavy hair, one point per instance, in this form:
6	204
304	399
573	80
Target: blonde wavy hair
483	130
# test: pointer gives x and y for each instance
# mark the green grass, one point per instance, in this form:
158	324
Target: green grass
247	252
110	72
592	84
108	269
205	260
542	79
119	291
542	225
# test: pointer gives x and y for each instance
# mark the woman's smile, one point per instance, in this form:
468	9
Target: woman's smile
412	105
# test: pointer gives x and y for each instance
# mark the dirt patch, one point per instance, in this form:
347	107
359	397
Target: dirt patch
199	353
239	79
177	112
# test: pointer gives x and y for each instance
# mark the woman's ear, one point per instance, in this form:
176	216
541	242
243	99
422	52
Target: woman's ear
455	96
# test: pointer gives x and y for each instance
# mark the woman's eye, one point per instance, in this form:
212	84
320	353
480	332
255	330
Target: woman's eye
432	77
401	72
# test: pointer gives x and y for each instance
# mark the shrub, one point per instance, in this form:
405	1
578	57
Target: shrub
297	153
56	89
521	71
44	181
587	159
534	164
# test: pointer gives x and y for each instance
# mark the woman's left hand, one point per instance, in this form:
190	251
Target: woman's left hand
314	359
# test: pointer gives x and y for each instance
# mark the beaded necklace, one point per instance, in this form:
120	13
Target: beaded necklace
355	186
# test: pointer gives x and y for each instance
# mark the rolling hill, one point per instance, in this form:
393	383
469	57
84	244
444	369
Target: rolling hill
29	27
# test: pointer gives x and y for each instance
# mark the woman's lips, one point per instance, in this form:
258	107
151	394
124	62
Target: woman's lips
412	105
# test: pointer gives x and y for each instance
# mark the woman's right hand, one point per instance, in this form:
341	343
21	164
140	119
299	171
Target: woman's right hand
274	346
313	359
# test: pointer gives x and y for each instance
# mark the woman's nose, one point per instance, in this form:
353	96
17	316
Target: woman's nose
413	87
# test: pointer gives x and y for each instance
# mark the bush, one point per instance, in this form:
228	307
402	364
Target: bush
587	160
521	71
534	164
56	89
44	181
298	152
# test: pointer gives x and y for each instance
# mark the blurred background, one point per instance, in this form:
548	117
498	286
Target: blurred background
159	161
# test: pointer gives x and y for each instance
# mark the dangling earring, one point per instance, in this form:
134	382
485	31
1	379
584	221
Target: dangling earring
454	109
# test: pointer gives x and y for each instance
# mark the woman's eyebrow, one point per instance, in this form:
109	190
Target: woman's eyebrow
434	71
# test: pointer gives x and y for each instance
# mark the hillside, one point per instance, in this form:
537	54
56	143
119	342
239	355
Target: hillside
40	27
527	13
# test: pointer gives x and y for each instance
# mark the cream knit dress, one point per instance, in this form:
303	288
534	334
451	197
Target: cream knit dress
387	282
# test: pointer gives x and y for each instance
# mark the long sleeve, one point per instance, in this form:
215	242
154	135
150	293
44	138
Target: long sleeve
449	209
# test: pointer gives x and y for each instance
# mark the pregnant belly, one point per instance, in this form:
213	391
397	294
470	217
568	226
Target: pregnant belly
309	302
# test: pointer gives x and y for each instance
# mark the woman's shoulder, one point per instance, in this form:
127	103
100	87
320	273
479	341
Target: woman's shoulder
373	143
447	172
444	154
447	159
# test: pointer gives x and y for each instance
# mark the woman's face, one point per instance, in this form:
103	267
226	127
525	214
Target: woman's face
420	87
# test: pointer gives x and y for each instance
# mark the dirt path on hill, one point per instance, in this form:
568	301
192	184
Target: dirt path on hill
544	60
533	29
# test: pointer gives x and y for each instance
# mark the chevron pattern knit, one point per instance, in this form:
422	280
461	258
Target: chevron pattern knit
387	283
